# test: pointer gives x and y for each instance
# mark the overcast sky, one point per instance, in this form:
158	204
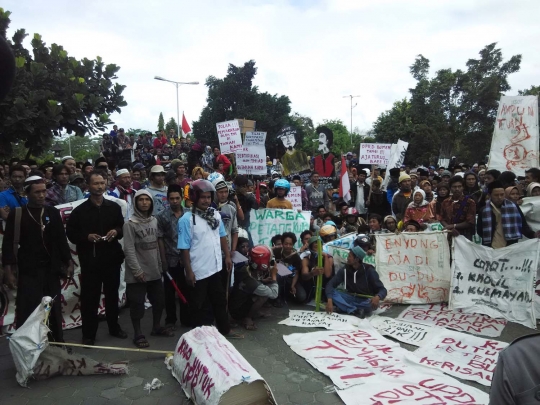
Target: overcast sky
315	52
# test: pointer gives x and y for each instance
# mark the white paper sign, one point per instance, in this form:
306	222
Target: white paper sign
460	355
310	319
531	209
374	153
414	267
440	315
251	160
514	145
495	282
230	138
295	197
255	138
406	332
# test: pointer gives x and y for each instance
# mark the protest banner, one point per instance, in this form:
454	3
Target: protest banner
295	197
210	370
440	315
266	223
424	387
460	355
374	153
514	146
397	157
531	209
309	319
251	160
414	267
495	282
406	332
256	138
229	136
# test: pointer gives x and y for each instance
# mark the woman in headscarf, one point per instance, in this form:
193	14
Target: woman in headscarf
419	210
427	187
198	173
390	224
443	192
472	188
512	193
533	189
207	159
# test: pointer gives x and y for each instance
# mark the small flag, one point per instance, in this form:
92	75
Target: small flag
344	184
185	126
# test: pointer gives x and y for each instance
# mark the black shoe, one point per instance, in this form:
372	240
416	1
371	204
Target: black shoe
120	334
88	342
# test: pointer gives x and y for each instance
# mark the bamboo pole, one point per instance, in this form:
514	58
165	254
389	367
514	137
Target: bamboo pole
318	291
129	349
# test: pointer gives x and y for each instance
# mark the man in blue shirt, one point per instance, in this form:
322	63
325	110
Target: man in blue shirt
14	196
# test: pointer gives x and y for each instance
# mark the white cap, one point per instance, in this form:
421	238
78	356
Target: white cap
67	158
121	172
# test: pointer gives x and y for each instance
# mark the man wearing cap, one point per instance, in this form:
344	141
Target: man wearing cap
158	189
77	180
69	162
43	256
363	288
61	192
123	190
403	198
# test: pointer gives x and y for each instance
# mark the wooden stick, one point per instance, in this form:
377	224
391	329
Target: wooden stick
129	349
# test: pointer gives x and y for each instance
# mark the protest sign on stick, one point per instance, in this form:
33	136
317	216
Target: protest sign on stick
495	282
375	153
414	267
406	332
460	355
265	223
251	160
230	138
295	197
256	138
397	157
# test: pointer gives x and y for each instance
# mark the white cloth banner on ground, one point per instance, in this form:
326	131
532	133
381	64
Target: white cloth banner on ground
229	136
310	319
514	145
460	355
208	368
251	160
295	197
531	209
255	138
495	282
440	315
397	157
414	267
406	332
374	153
427	387
266	223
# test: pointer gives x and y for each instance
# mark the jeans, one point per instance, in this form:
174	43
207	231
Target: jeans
349	303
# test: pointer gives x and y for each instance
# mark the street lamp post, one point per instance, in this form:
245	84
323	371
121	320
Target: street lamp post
352	106
177	105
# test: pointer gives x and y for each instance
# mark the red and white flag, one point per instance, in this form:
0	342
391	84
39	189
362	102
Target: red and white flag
185	126
344	184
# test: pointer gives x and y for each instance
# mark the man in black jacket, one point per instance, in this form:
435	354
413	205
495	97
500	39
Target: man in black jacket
95	227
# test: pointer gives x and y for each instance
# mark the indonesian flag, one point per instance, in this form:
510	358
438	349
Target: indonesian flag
344	184
185	126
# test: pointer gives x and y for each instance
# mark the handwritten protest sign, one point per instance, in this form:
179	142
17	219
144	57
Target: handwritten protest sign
209	369
414	267
440	315
309	319
251	160
295	197
266	223
230	138
375	153
514	145
495	282
255	138
423	387
406	332
460	355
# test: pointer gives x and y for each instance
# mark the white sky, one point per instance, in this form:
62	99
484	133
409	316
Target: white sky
314	51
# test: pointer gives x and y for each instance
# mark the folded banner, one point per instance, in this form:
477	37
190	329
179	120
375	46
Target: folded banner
406	332
414	267
460	355
495	282
531	209
440	315
266	223
309	319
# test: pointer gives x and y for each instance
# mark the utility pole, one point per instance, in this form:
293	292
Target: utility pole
352	106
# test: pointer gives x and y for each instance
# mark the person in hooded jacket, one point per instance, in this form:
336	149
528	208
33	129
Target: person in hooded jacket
143	267
419	209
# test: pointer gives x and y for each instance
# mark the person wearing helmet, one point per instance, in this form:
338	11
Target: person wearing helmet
358	278
281	188
254	283
328	233
352	221
201	239
310	270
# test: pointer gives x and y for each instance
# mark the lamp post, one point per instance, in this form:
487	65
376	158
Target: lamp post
177	107
352	106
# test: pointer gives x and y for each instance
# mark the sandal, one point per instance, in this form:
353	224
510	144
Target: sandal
162	331
249	325
170	326
234	335
141	342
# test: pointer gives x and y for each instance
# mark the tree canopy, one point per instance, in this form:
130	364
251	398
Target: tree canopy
451	113
161	122
54	92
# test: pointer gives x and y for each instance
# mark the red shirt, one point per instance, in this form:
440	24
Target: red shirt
225	160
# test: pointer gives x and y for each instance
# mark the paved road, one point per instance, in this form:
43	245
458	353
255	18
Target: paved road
291	378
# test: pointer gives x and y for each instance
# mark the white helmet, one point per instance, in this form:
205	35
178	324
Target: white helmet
217	180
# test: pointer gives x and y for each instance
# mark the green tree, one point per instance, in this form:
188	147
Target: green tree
82	148
52	92
171	124
161	122
137	132
234	96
